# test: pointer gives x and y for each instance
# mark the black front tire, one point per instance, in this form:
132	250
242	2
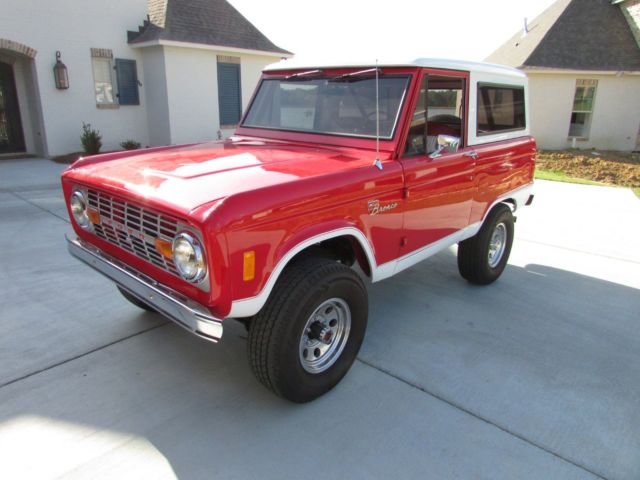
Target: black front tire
278	333
475	261
134	300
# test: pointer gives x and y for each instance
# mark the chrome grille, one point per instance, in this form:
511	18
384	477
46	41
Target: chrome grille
133	228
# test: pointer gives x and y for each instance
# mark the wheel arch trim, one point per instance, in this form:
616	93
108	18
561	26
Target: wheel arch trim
247	307
514	199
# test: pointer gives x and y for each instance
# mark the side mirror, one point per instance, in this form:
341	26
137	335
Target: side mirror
446	144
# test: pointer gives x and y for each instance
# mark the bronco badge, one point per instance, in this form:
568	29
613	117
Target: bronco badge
375	207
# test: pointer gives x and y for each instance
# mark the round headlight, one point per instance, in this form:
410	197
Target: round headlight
189	257
79	209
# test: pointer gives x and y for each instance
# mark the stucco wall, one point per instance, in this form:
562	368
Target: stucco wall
73	28
153	64
616	111
192	90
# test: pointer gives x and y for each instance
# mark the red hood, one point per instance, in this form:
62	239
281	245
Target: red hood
189	176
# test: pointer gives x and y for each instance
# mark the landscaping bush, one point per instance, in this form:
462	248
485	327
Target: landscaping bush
91	139
130	145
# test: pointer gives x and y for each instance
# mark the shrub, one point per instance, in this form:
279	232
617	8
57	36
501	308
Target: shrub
130	145
91	139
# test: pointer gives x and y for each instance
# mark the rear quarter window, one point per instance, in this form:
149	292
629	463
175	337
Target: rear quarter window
501	108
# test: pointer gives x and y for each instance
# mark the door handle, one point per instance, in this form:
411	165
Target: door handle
472	154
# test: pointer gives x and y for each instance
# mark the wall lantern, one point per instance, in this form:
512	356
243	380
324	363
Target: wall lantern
60	73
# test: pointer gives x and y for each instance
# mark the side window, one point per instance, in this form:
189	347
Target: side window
102	67
439	111
229	94
500	109
581	114
127	77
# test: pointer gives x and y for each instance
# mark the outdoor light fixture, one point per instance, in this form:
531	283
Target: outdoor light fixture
60	73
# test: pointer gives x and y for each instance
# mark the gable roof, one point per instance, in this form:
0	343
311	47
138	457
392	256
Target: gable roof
206	22
574	35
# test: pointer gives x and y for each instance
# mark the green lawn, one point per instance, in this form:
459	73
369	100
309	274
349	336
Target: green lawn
557	176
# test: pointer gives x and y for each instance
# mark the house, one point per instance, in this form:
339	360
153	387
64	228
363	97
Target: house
582	58
158	72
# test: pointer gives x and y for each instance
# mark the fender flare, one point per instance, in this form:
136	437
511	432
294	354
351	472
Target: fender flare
247	307
515	199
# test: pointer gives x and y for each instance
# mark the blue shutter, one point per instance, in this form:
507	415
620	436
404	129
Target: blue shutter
229	93
127	77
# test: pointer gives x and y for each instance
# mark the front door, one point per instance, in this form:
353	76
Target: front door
439	185
11	137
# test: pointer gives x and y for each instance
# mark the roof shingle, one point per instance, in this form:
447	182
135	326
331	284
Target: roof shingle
207	22
574	35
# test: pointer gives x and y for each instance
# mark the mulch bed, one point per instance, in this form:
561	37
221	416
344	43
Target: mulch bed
614	168
68	158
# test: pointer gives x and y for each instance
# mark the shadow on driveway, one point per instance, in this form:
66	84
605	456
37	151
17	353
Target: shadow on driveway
535	376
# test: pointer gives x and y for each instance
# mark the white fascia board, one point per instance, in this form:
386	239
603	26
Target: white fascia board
218	48
558	71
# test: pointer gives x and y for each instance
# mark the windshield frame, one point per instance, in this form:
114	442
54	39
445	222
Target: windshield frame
324	75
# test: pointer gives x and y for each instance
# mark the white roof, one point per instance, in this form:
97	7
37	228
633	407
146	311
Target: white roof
440	63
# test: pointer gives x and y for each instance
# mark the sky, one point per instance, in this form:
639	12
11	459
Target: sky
393	30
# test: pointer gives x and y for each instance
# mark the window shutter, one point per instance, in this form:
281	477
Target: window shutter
127	77
229	93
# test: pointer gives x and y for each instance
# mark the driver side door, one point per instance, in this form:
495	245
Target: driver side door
439	185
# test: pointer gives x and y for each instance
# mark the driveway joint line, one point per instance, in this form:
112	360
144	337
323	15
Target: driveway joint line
76	357
481	418
66	220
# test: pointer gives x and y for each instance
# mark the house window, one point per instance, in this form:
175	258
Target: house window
500	109
229	94
582	108
127	79
101	64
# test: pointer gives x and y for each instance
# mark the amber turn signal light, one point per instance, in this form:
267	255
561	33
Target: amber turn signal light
93	216
249	270
164	247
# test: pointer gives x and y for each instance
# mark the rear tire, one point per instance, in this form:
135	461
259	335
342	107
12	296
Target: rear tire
483	257
308	334
134	300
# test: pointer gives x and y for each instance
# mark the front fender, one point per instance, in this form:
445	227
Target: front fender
287	250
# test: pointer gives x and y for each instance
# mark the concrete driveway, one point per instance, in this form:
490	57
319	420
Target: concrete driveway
536	376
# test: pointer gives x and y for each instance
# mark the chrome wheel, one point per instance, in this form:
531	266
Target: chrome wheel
325	335
497	244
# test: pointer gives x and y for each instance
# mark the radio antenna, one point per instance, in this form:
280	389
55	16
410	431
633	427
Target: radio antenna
377	162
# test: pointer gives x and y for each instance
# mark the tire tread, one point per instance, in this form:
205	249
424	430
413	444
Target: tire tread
268	324
472	261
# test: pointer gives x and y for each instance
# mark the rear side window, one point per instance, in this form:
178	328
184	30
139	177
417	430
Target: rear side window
500	109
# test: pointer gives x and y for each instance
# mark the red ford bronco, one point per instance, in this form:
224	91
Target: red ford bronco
379	166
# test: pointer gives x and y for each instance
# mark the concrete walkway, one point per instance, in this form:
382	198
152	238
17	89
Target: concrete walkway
536	376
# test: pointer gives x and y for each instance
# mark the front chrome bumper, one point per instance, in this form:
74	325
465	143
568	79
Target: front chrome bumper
173	305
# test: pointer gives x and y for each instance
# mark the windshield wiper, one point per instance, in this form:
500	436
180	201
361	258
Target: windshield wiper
302	75
357	76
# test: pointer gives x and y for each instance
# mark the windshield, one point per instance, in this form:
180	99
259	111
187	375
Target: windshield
341	105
